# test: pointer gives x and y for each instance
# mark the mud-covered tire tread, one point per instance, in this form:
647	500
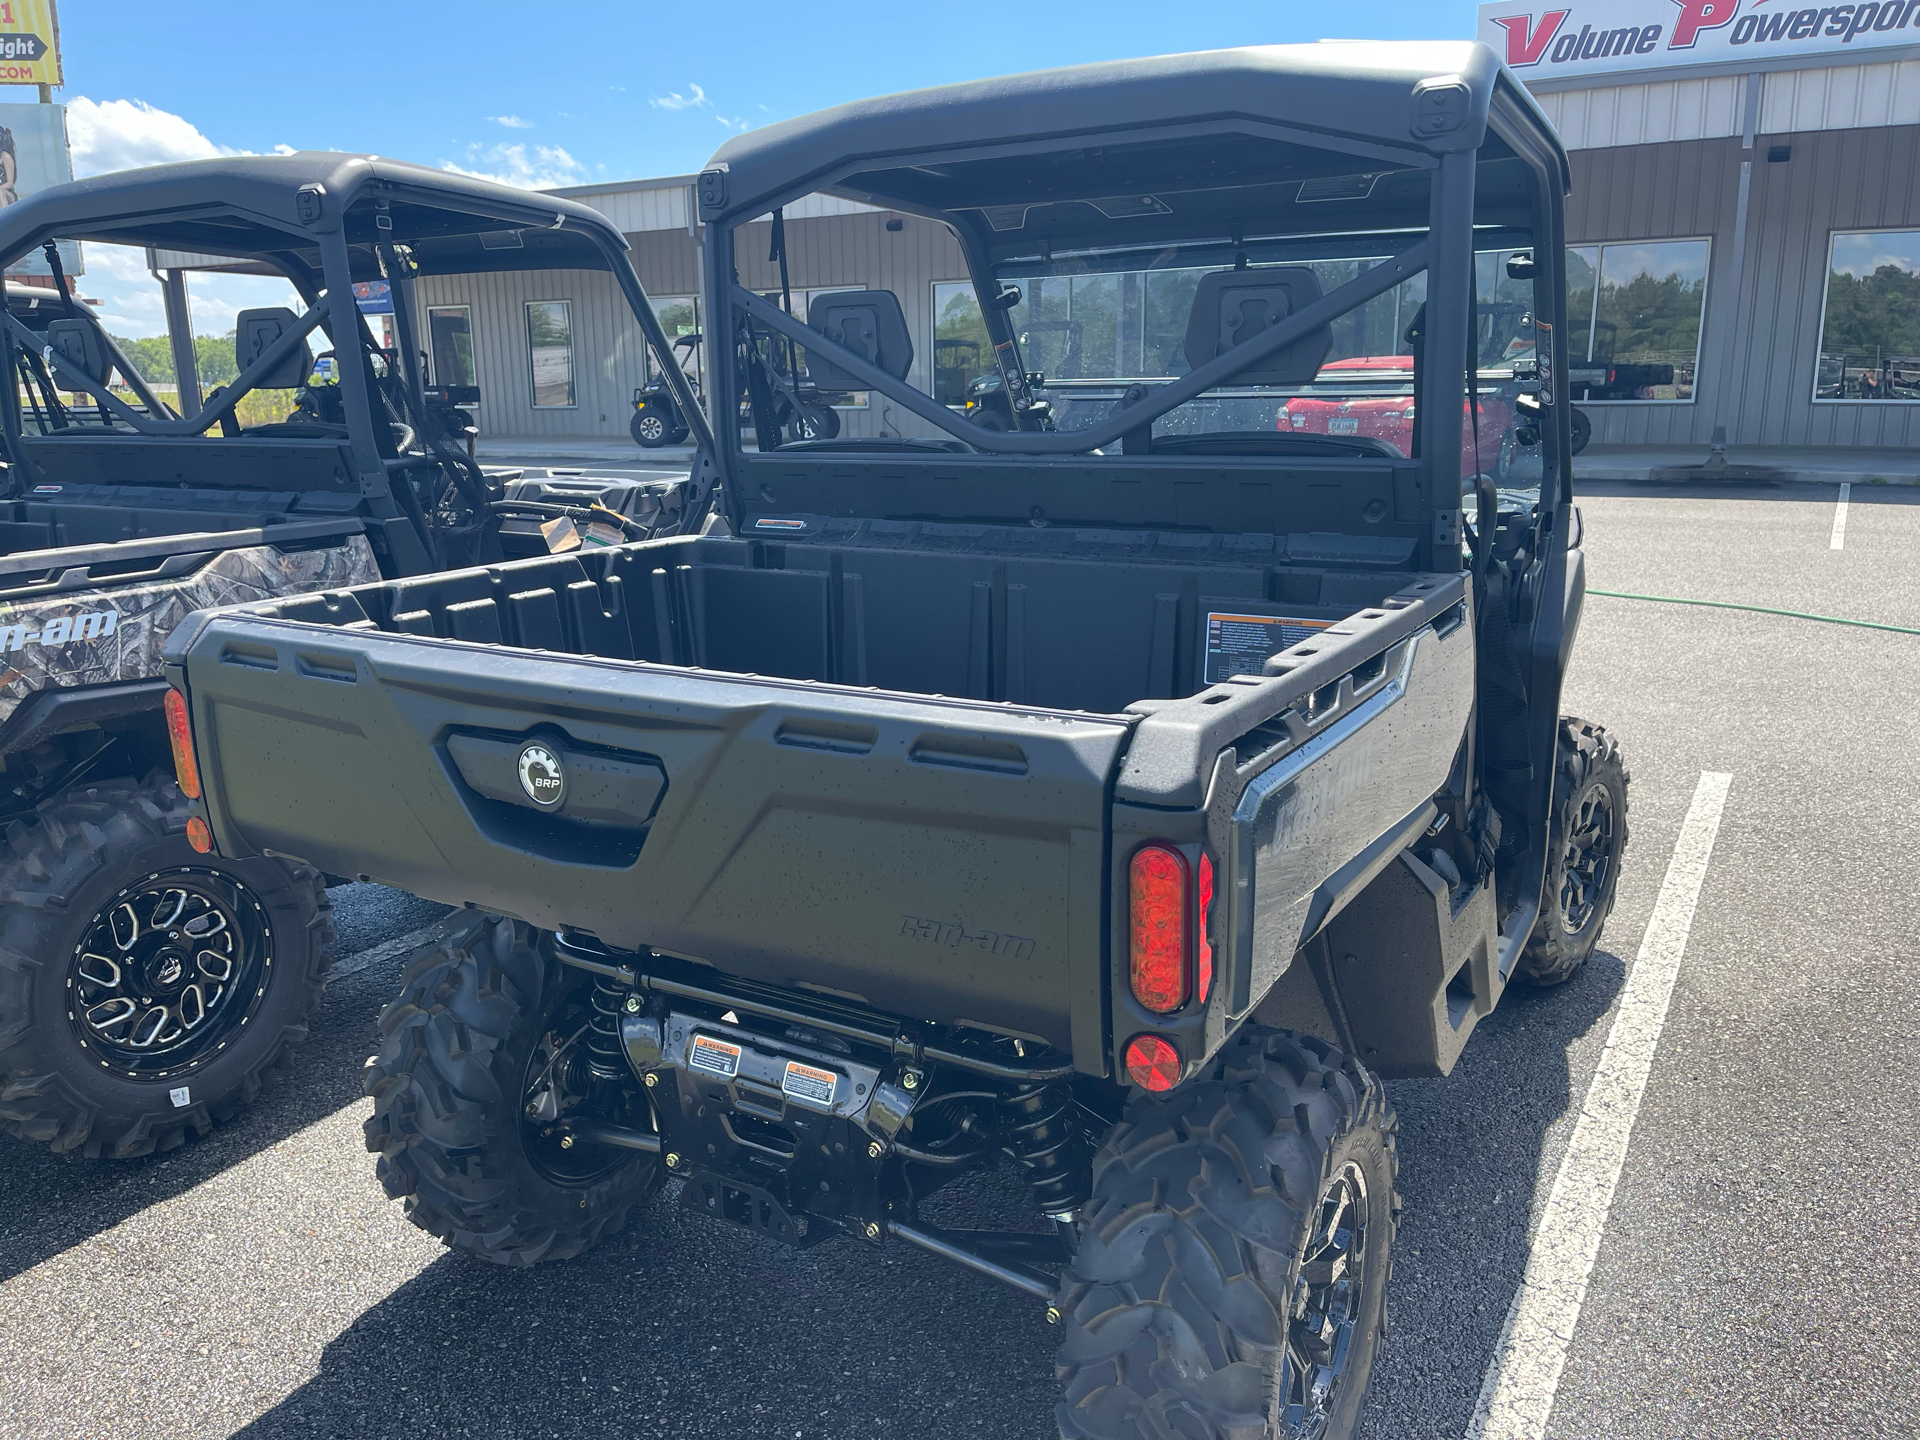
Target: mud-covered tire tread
1586	753
71	841
446	1091
1171	1311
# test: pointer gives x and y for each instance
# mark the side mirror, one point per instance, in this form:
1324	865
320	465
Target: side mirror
1520	265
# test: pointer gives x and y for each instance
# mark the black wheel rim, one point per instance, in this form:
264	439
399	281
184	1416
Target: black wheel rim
1326	1309
1588	858
558	1083
168	972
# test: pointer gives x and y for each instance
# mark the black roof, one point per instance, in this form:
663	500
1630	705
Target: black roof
246	205
1358	94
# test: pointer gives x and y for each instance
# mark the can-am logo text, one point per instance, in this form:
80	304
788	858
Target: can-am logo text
96	625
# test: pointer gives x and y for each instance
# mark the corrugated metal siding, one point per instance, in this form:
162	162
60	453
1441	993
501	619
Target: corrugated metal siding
1846	97
653	207
607	349
1660	110
1756	376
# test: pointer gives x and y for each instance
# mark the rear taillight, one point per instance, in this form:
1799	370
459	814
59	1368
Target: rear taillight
1158	885
1203	947
186	770
1171	958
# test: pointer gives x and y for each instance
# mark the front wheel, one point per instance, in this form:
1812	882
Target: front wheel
649	429
1588	832
145	989
482	1057
1233	1260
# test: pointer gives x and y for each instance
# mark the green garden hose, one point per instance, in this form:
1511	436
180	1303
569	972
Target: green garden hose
1759	609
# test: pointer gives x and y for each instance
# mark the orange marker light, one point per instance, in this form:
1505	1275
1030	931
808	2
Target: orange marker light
199	836
1152	1063
186	769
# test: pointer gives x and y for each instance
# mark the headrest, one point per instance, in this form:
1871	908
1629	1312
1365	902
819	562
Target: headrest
871	324
80	344
1232	306
256	332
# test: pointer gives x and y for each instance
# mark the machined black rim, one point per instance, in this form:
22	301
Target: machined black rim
652	426
1326	1308
1588	860
169	972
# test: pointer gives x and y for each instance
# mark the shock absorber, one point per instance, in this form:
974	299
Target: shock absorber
603	1037
1044	1133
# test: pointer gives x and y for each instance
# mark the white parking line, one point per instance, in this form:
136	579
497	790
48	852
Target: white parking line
1517	1396
1839	540
353	964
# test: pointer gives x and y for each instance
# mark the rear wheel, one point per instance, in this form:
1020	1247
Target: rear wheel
481	1056
816	422
1582	431
1588	832
145	989
1231	1277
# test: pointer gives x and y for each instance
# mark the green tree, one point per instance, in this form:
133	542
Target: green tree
1877	314
150	355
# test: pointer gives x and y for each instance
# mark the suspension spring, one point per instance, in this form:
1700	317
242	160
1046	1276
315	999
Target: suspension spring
1042	1127
603	1038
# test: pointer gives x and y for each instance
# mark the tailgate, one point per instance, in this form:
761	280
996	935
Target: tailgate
933	858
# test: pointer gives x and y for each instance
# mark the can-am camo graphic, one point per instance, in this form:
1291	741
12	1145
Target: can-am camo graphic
110	634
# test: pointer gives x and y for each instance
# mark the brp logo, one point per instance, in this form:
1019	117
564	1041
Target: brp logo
542	776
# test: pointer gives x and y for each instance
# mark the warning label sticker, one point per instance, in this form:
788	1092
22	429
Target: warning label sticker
716	1057
809	1083
1241	644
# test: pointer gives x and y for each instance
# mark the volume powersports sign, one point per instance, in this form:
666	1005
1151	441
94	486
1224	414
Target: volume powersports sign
1543	41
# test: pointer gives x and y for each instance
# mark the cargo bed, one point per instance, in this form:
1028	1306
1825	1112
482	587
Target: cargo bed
879	761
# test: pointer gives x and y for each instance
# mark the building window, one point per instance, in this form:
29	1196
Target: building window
1870	332
450	344
1634	316
550	352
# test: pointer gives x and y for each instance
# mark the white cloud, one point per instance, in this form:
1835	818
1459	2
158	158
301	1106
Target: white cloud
109	135
535	167
512	122
121	134
736	124
694	99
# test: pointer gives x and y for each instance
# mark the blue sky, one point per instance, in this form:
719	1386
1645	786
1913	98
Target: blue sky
580	93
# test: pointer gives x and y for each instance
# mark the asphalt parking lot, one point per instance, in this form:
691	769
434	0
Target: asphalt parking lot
1755	1278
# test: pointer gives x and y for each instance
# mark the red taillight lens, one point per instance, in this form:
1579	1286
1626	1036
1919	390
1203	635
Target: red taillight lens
186	770
1152	1063
1157	890
1203	947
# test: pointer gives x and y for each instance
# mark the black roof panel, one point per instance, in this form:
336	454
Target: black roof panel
180	207
1358	93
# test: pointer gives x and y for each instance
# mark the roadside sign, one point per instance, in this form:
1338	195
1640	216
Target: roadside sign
29	43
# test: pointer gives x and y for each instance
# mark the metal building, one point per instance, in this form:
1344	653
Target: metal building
1745	228
1747	178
